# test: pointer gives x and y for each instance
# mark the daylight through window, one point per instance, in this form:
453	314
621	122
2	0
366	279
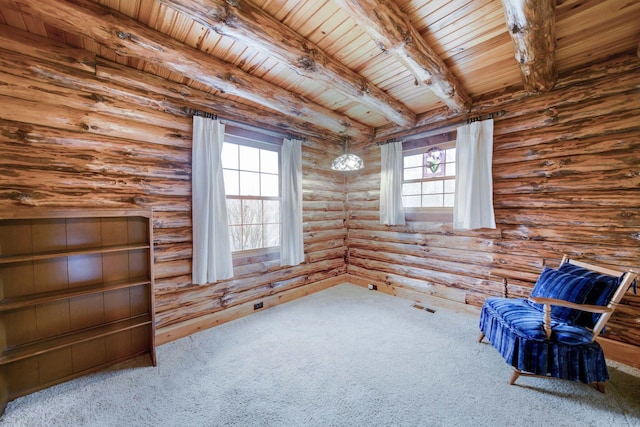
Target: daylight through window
429	179
252	184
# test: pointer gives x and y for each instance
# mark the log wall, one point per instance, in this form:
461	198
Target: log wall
80	132
566	170
74	132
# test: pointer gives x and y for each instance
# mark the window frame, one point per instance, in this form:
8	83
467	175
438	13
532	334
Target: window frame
422	145
254	139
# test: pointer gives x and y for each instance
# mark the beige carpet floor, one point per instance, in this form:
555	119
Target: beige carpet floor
346	356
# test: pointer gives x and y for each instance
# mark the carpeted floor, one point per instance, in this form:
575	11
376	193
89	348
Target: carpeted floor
346	356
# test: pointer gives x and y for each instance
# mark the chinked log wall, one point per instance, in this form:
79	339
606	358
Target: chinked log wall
71	139
566	170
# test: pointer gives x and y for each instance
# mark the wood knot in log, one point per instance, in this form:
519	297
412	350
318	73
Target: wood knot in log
19	196
407	39
97	98
20	135
515	29
232	78
307	63
229	18
123	36
365	88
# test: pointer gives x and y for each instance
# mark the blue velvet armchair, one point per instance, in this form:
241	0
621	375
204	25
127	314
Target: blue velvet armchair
553	332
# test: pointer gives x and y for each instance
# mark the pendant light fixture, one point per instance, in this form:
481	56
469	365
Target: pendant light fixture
347	161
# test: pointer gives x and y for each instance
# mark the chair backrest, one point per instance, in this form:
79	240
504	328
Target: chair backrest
625	281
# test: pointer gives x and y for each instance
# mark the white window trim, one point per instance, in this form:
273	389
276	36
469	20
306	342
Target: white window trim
240	136
428	214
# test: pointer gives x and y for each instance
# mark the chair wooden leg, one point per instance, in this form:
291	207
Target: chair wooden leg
600	387
481	337
514	376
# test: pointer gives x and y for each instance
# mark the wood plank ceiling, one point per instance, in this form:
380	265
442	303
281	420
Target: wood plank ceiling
351	67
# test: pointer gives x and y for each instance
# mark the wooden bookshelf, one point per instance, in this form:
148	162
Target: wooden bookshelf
76	294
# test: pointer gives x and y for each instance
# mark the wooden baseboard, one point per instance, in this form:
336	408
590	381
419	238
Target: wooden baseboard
191	326
427	300
620	351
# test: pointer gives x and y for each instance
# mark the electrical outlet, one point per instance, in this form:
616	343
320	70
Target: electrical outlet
257	306
372	287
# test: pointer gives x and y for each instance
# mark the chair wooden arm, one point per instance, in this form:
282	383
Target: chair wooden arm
576	306
548	302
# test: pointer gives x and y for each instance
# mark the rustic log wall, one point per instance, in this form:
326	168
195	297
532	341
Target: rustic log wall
81	132
74	132
566	173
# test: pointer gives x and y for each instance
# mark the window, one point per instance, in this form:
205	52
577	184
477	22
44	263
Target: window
252	183
429	179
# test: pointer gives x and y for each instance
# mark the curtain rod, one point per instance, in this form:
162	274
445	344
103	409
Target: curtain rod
289	135
205	114
445	128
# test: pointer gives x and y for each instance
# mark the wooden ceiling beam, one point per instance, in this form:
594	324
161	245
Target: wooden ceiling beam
394	33
532	26
242	21
127	37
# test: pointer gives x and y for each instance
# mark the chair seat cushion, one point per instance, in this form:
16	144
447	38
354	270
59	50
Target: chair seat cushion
522	318
564	286
514	328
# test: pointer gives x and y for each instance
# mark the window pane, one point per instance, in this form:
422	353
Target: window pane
271	212
249	184
249	158
432	187
269	161
450	186
451	154
432	201
448	200
235	233
411	188
271	235
251	212
269	185
231	182
429	177
411	201
229	156
413	161
234	211
252	237
450	169
251	175
413	173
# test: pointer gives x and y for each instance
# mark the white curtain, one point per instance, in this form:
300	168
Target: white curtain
291	242
211	244
391	209
473	206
